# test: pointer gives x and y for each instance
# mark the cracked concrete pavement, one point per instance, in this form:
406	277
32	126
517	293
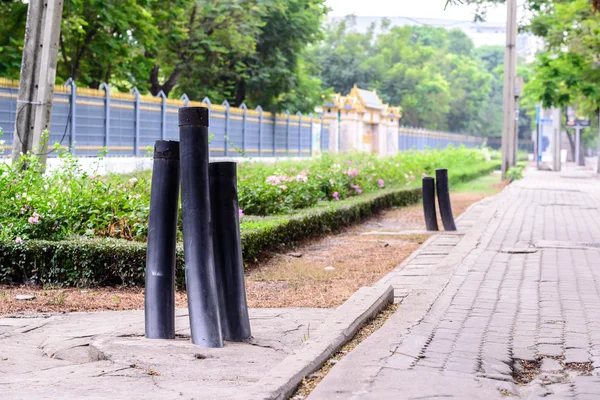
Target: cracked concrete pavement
509	307
103	355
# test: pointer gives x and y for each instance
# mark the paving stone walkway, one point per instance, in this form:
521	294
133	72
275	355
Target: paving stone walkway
509	307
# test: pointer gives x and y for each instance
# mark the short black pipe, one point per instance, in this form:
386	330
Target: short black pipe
229	266
200	279
429	204
159	298
443	194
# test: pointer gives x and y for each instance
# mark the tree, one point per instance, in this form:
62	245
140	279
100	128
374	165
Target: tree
13	15
200	42
432	73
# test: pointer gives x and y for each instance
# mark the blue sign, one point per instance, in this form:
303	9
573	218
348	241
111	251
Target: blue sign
545	120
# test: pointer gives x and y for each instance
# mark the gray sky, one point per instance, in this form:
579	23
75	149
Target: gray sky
410	8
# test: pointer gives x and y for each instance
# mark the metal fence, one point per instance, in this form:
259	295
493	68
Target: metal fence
421	139
88	120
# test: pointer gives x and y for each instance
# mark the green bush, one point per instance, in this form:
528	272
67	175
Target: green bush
71	202
97	261
514	173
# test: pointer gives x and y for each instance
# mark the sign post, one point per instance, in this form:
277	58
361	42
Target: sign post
579	124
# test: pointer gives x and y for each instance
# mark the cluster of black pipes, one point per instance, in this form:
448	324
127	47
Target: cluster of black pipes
214	270
430	186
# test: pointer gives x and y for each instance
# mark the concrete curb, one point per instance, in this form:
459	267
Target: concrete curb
337	330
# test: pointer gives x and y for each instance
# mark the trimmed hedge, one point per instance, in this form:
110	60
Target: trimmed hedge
99	261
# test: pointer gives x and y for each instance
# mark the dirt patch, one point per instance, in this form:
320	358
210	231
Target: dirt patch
50	300
330	269
525	371
582	368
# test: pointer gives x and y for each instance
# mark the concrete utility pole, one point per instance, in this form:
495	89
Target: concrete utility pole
557	139
38	73
598	166
509	139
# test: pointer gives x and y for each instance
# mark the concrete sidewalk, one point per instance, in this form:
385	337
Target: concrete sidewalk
512	309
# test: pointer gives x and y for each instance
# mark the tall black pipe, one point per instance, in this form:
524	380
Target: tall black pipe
159	297
227	246
443	194
429	204
203	303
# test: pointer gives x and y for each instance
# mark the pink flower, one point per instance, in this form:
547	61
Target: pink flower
425	175
18	196
336	195
331	182
358	191
348	162
133	181
406	176
353	186
273	180
283	187
33	220
18	240
240	212
137	196
104	180
352	172
301	178
381	183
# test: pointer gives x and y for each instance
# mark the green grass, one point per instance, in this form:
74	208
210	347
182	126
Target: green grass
483	184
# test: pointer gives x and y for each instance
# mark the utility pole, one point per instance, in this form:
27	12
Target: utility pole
598	164
557	139
509	106
38	73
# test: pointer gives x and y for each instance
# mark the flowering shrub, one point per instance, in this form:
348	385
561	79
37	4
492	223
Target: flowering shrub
69	201
266	189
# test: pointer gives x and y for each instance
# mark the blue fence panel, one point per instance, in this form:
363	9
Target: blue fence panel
89	125
122	128
324	137
150	125
172	123
252	136
60	130
8	99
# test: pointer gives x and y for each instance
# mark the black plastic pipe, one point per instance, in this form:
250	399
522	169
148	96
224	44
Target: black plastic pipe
159	297
227	246
443	194
203	303
429	204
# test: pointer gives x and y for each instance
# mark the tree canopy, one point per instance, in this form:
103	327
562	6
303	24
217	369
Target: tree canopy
436	75
241	51
279	54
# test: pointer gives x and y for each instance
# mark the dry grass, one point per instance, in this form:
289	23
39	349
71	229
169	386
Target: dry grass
358	260
311	381
53	300
330	269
